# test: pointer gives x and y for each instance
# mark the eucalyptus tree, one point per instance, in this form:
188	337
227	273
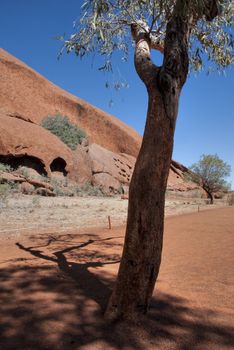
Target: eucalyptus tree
210	173
188	34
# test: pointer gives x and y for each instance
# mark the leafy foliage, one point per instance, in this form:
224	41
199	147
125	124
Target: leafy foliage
5	168
210	173
104	28
213	40
60	126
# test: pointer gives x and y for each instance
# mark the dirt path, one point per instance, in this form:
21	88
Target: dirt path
54	288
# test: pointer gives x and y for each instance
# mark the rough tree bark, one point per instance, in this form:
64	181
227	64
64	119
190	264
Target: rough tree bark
211	198
210	195
144	233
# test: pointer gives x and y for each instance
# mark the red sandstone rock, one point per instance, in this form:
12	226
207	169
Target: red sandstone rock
26	183
26	98
44	192
124	196
82	172
8	177
27	188
25	143
107	182
119	166
28	95
30	143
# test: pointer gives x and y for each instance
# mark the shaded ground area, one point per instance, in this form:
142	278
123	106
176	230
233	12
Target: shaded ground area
54	288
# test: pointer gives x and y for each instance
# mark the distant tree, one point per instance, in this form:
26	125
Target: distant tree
185	32
210	173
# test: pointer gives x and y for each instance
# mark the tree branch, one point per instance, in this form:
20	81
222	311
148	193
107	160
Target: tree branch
176	60
155	43
145	68
211	9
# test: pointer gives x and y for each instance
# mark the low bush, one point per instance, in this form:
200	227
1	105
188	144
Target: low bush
5	168
67	132
7	188
4	189
89	190
73	190
22	170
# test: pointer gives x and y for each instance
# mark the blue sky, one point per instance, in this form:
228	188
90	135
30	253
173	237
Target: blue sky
206	115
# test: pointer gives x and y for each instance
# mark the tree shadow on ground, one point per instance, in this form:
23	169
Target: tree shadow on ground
55	300
91	286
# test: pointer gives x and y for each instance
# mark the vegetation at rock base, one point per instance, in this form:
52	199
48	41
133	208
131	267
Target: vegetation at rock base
64	188
61	187
5	168
4	189
67	132
7	188
210	173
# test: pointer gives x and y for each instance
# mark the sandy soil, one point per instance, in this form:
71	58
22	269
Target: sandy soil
54	287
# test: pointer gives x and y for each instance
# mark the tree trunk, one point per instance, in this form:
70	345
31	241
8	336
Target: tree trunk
210	195
208	192
144	233
142	251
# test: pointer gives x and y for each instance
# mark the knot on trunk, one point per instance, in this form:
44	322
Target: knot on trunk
140	30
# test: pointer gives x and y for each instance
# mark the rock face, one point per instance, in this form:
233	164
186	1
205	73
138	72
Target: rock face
179	185
27	188
28	144
82	165
23	142
27	185
110	170
107	182
26	98
27	94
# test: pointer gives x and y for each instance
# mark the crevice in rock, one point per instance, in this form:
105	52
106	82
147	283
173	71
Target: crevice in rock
102	172
18	116
59	165
15	161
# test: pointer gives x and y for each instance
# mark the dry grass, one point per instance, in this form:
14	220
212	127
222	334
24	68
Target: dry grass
33	212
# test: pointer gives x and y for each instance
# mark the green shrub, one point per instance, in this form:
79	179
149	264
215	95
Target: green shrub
68	133
4	189
22	170
74	190
7	188
89	190
5	167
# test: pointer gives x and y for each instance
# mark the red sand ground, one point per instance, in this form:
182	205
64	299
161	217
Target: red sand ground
54	288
